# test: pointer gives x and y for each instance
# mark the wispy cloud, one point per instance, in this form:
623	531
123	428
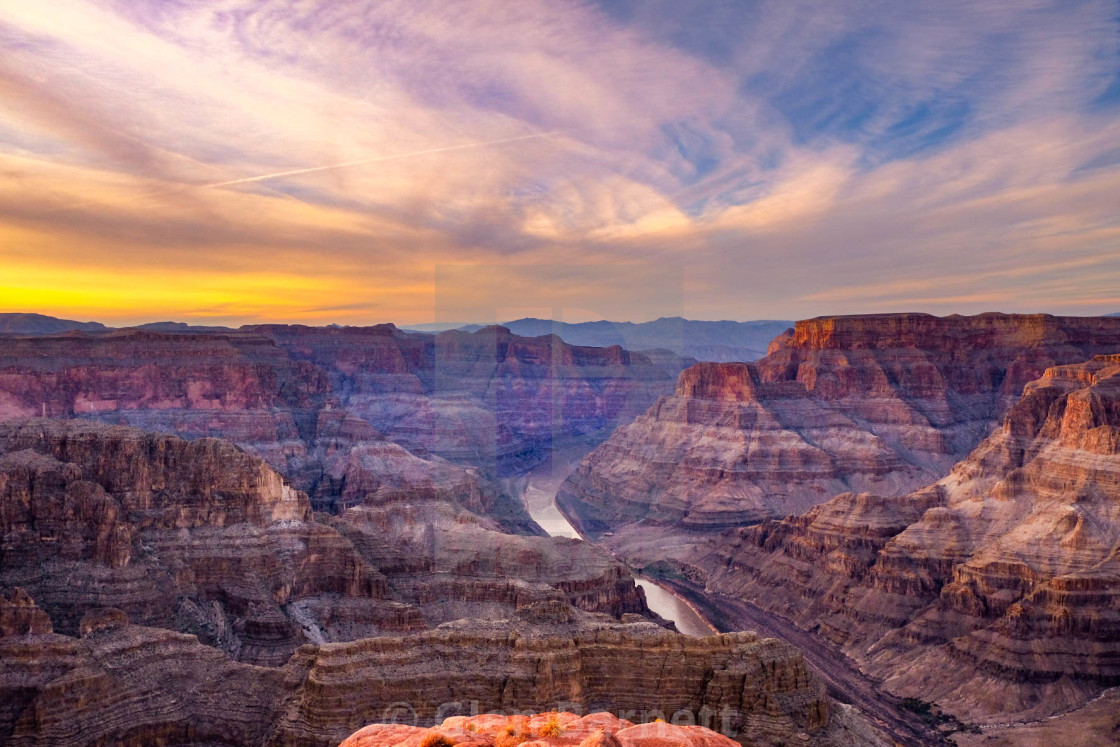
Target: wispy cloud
791	158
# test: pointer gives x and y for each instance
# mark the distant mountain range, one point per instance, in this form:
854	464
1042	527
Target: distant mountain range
38	324
708	341
720	341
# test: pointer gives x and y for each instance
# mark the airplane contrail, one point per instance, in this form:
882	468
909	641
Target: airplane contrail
379	159
314	169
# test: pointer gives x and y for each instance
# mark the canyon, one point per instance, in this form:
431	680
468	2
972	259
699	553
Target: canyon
881	403
318	403
158	589
968	558
995	591
291	514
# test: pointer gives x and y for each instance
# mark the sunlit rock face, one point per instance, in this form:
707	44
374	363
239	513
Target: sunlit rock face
996	590
541	730
881	404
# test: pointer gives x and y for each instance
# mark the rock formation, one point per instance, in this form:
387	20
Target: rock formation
995	591
203	538
303	397
159	590
541	730
881	404
132	685
485	398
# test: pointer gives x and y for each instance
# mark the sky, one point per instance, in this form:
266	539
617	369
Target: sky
352	161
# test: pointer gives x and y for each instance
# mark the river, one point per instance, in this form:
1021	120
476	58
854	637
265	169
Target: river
538	489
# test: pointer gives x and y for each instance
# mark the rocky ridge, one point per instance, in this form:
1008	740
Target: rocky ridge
881	404
995	591
113	685
203	538
540	730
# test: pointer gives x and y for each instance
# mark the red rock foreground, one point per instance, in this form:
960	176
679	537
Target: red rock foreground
540	730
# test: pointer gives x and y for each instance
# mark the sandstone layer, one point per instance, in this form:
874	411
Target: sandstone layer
203	538
881	404
541	730
132	685
995	591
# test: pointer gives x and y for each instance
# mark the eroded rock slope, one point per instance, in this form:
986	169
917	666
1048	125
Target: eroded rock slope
994	591
881	404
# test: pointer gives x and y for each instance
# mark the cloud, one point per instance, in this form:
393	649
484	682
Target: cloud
790	158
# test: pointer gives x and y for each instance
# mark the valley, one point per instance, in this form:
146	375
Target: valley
283	496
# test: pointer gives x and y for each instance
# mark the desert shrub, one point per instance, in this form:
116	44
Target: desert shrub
552	727
435	739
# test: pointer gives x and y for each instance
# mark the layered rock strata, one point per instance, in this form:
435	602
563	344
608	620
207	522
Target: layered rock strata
488	397
996	590
203	538
881	404
303	397
115	685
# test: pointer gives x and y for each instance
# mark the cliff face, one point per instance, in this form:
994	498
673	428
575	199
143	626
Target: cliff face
185	594
995	591
303	397
114	685
880	404
203	538
240	387
489	397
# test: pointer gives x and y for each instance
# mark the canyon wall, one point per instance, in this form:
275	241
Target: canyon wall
304	397
113	684
203	538
881	404
994	591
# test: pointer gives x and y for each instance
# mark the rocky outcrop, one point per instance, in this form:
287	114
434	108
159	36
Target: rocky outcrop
879	404
995	591
637	668
115	685
451	565
203	538
541	730
132	685
196	536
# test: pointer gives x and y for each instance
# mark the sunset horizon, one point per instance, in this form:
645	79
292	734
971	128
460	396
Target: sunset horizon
243	161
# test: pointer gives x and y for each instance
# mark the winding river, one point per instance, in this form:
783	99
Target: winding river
538	489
